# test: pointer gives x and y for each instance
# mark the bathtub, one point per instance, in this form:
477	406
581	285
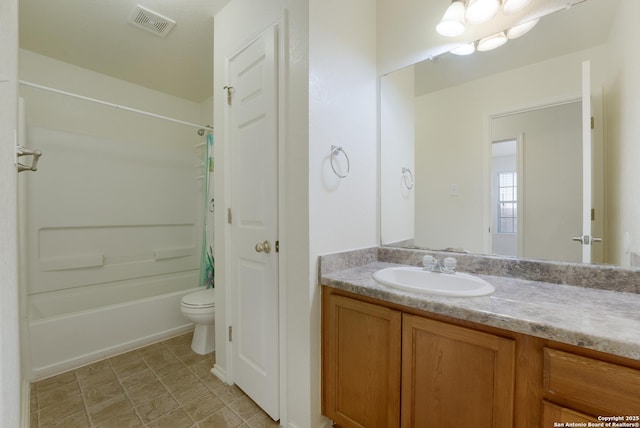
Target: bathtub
107	255
71	329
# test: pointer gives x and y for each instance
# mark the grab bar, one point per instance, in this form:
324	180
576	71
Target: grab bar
23	151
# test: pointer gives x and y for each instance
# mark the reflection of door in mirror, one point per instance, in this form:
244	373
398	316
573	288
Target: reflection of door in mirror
550	177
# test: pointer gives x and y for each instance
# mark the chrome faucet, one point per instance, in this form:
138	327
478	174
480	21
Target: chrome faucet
432	264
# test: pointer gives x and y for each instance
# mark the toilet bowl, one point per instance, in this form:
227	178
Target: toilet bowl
199	307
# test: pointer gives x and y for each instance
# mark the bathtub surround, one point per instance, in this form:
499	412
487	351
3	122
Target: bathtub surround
113	253
108	251
597	311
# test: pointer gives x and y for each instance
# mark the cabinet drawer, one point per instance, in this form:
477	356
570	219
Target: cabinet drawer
553	414
591	385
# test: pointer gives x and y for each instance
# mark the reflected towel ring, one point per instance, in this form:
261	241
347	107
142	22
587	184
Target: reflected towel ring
407	174
335	151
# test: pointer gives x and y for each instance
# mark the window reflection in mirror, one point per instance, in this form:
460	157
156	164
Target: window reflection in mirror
504	197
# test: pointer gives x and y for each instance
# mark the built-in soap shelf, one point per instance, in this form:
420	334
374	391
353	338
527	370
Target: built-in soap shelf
201	163
72	262
98	260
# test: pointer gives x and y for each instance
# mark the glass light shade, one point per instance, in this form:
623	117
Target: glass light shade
466	49
479	11
452	23
492	42
519	30
510	7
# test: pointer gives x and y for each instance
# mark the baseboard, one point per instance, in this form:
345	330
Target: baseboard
325	423
220	373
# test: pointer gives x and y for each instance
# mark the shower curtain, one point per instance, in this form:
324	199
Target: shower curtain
207	264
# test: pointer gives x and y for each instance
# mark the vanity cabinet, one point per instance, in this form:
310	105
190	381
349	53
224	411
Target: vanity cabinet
447	376
387	365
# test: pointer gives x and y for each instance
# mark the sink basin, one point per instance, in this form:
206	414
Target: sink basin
418	280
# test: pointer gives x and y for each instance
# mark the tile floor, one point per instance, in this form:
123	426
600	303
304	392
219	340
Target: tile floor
162	385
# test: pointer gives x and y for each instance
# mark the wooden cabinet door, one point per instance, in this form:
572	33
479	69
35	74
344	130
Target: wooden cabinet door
455	377
361	363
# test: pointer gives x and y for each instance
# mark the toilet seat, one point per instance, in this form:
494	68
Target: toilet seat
200	299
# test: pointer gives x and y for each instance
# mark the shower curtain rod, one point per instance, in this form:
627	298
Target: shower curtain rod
118	106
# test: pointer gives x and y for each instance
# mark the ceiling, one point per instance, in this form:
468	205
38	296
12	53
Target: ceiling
95	34
584	25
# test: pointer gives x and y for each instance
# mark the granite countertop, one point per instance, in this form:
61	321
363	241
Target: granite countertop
603	320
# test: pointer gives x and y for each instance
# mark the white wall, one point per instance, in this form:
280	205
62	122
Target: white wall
301	388
54	111
623	128
397	147
342	112
11	376
449	153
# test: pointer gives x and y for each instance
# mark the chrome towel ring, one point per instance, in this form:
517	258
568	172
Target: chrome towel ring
335	151
407	176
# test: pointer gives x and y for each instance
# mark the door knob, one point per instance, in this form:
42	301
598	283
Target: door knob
263	247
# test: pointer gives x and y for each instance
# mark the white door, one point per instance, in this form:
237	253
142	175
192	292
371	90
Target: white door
586	239
253	123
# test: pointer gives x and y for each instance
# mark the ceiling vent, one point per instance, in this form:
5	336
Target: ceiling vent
151	21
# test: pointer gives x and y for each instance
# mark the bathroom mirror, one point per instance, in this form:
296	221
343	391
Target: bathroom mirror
442	118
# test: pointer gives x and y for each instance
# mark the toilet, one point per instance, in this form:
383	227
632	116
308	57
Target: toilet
199	307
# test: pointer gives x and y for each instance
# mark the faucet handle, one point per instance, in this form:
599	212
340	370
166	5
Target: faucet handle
429	261
449	264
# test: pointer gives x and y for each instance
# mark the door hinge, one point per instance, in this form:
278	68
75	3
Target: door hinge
277	246
593	123
229	217
230	334
593	214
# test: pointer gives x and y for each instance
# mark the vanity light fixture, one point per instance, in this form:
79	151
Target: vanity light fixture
509	7
522	29
461	12
479	11
466	49
452	23
492	42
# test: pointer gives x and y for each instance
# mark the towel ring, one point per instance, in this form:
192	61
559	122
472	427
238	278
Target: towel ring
335	151
408	175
